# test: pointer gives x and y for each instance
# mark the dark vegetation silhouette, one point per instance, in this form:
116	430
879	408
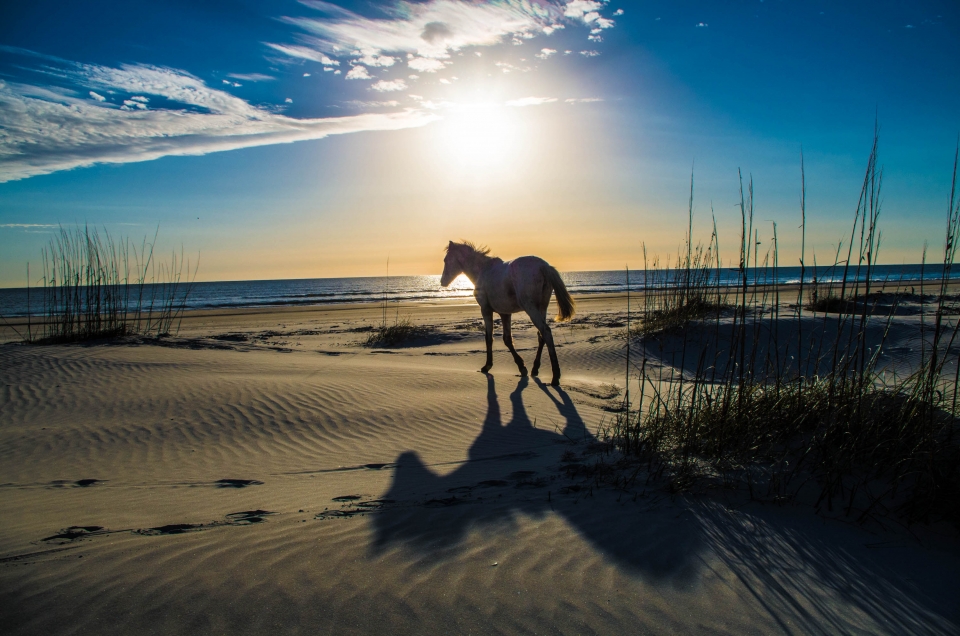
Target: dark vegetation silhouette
740	386
94	286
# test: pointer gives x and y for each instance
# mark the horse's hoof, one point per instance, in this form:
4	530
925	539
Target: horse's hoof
523	372
484	369
535	372
555	382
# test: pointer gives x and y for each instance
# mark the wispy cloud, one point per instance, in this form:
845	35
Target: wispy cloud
251	77
433	29
583	100
531	101
46	128
28	226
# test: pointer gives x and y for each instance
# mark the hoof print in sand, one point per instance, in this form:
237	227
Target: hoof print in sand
237	483
173	528
247	517
80	483
354	507
75	532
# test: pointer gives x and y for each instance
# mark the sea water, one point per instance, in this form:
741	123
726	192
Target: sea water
321	291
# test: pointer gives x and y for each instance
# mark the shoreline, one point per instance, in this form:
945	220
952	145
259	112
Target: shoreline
321	311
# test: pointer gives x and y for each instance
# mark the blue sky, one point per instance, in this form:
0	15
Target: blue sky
313	139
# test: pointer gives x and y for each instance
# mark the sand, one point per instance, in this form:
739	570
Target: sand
261	473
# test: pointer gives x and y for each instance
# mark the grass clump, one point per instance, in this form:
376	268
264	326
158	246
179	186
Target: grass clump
675	296
401	332
803	406
96	287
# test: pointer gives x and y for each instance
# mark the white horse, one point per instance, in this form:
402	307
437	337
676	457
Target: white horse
523	284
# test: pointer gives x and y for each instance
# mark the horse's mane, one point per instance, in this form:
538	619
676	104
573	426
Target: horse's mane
482	250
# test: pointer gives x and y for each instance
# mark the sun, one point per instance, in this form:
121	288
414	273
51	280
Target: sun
480	138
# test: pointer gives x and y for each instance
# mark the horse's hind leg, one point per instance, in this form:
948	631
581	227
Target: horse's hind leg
508	340
535	371
539	318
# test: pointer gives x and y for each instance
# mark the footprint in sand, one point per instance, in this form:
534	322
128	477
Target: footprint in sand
74	532
237	483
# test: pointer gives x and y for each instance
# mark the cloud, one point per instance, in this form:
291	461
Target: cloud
47	129
391	85
429	29
545	53
583	100
700	25
356	103
531	101
372	58
618	12
589	53
426	64
359	72
28	225
288	100
434	29
507	67
251	77
98	97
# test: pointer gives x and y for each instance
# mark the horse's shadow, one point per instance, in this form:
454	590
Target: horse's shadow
433	513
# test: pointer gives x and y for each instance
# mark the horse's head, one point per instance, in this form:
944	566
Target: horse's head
452	264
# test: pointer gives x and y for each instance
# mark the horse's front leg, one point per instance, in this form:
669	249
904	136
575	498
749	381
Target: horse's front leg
508	340
488	336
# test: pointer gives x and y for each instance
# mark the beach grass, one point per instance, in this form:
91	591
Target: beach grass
401	332
796	403
95	286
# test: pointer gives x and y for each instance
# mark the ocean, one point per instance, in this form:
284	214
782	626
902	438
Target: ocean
321	291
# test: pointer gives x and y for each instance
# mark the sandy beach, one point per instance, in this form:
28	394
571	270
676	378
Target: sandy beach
262	473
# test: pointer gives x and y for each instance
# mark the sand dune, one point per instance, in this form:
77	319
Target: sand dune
262	473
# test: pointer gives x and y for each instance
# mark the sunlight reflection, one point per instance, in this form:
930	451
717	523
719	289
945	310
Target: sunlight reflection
461	282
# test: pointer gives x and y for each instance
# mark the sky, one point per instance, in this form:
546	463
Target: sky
282	139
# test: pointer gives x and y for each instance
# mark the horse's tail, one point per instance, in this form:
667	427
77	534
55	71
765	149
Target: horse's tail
565	301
